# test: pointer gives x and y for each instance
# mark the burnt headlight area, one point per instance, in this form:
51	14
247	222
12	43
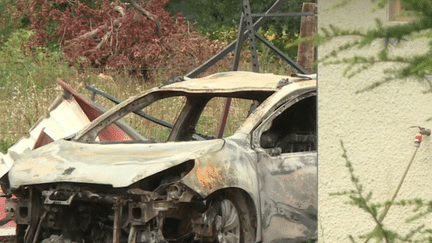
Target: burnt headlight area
160	179
158	208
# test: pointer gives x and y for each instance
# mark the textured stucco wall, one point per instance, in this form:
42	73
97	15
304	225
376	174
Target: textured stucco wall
375	129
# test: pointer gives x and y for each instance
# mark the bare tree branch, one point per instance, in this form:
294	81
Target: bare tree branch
148	15
93	34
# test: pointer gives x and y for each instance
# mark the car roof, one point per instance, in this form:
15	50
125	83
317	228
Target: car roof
243	84
231	82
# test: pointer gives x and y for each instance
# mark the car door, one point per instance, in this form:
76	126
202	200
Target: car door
286	144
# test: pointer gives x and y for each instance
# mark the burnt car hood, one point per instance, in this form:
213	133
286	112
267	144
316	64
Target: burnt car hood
119	164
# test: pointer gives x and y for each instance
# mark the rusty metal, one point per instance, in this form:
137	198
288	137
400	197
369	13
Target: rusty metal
117	222
118	165
132	234
42	140
38	230
222	124
119	131
238	45
180	190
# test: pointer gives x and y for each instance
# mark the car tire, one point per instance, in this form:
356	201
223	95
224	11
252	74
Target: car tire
228	223
233	221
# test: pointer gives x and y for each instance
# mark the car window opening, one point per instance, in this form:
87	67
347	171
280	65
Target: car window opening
294	130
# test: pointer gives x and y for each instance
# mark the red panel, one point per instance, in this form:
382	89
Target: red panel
11	224
111	133
42	140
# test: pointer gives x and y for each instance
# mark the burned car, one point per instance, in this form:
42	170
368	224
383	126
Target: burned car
257	185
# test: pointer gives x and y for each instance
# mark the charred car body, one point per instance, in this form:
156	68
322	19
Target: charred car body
258	185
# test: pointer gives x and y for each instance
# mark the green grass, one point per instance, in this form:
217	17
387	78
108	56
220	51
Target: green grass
5	144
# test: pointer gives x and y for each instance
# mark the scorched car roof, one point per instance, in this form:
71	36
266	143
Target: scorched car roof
231	82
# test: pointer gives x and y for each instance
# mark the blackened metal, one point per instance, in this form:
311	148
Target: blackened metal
243	35
260	22
140	112
6	219
239	43
42	219
293	63
305	76
100	92
117	222
283	82
132	234
251	37
294	14
118	101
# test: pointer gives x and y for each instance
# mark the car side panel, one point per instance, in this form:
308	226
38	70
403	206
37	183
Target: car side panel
289	196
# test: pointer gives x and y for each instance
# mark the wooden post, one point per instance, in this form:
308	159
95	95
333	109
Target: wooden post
306	50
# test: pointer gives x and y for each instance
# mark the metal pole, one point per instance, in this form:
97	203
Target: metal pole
222	124
293	63
117	222
306	50
251	35
260	22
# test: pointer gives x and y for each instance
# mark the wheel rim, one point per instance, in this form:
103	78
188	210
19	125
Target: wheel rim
230	223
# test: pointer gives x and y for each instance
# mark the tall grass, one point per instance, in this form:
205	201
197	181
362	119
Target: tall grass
28	87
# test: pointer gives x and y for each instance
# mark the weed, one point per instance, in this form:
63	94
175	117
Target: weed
358	197
5	144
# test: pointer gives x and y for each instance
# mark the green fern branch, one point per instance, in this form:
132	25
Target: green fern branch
360	200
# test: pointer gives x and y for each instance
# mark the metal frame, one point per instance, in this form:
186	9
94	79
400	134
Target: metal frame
248	30
141	113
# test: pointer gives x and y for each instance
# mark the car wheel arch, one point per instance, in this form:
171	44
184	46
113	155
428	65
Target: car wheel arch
248	210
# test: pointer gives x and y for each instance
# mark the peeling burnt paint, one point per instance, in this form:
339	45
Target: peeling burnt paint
209	176
68	171
289	198
118	164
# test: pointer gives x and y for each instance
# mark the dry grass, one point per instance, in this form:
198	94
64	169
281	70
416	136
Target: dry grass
21	109
209	120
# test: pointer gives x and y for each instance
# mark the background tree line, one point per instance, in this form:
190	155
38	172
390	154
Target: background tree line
96	31
77	40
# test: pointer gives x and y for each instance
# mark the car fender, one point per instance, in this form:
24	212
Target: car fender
233	166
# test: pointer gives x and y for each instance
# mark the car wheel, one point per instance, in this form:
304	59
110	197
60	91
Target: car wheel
228	223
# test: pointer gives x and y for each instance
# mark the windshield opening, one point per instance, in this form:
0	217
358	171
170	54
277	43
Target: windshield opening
177	116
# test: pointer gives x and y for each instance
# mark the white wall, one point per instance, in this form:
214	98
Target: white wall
375	128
